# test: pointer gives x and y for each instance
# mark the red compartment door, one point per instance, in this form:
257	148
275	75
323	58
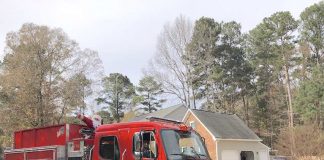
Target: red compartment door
14	156
37	155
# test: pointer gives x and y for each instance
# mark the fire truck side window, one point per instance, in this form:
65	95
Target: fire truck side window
109	148
136	144
145	146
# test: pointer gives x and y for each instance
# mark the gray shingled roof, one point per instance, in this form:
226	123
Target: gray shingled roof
221	125
225	126
176	112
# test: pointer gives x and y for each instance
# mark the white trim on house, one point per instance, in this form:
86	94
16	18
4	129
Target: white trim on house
189	110
265	146
184	117
217	155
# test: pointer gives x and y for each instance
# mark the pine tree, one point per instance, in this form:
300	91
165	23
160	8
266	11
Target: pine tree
118	92
200	56
271	46
312	19
235	75
310	98
218	61
149	90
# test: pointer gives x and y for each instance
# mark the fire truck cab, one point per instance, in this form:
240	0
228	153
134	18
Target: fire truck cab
158	139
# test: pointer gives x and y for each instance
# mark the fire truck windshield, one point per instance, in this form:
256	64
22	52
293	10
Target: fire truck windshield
181	145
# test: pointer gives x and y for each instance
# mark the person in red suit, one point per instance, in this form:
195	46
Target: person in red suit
93	122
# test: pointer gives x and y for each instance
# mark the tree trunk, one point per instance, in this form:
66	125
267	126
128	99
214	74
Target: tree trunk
318	57
193	96
246	110
290	111
41	107
117	107
149	103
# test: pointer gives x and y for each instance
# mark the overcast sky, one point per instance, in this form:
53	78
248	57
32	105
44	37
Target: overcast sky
124	32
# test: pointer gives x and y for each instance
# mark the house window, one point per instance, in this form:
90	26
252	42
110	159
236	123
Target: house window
192	124
109	148
247	155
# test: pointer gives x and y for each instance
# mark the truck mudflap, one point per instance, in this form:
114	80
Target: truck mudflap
36	153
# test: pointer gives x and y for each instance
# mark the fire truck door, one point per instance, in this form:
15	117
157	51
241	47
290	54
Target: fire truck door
125	144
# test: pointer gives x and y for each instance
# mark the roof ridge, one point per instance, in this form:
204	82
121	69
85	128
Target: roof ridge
214	111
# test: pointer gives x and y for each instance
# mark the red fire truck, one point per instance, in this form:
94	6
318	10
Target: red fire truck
158	139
